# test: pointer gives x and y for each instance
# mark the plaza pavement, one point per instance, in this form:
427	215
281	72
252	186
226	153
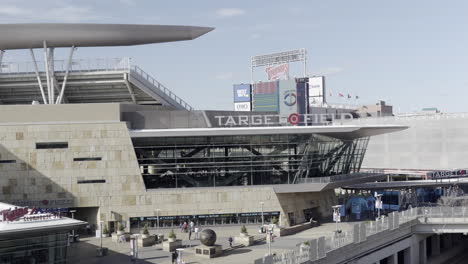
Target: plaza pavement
84	252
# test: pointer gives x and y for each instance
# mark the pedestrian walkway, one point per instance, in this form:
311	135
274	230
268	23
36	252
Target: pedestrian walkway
85	251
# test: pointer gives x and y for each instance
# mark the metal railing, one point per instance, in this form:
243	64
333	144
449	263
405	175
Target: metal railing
160	87
92	65
78	65
425	215
341	177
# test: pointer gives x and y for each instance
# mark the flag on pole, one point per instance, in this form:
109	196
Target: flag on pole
349	96
340	94
357	97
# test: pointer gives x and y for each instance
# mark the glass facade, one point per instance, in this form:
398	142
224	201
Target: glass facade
51	248
204	220
184	162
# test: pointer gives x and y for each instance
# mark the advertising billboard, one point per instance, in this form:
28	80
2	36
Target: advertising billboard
242	92
242	106
287	98
317	93
265	96
302	102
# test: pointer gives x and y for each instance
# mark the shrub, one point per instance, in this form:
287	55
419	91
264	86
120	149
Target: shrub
306	243
274	220
120	227
105	230
145	230
244	229
172	234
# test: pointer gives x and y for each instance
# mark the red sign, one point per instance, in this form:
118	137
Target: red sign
275	72
294	119
12	215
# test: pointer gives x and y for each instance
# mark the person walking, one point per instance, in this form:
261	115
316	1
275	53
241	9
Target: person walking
196	232
192	225
174	257
230	241
189	233
185	227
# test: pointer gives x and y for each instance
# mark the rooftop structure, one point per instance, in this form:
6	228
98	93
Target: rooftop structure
115	82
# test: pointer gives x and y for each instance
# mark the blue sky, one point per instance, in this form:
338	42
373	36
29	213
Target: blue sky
413	54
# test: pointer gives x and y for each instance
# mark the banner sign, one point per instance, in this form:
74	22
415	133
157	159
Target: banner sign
13	214
277	72
242	93
317	95
288	98
446	174
272	120
337	216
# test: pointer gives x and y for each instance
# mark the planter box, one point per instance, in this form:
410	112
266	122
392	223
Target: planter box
116	237
146	242
245	240
172	246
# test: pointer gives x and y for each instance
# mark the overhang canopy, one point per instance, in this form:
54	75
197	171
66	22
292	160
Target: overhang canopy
336	131
26	36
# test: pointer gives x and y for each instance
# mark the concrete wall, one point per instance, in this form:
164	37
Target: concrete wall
431	143
53	175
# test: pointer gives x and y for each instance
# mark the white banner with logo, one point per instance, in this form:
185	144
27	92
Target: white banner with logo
243	106
287	99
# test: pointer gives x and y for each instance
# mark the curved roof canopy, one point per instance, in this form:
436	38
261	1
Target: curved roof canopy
26	36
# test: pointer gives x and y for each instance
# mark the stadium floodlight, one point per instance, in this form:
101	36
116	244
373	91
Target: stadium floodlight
279	58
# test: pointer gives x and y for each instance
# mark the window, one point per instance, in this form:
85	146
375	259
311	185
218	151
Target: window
91	181
51	145
87	159
7	161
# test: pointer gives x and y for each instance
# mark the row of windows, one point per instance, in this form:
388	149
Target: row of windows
7	161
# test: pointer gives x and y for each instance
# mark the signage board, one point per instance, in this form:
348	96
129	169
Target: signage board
271	120
287	98
277	72
337	216
242	93
242	106
317	93
446	174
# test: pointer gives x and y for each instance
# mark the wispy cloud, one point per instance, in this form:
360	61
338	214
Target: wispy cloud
12	11
64	13
329	71
230	12
225	76
255	36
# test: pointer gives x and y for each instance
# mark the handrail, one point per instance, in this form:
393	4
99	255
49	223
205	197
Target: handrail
160	87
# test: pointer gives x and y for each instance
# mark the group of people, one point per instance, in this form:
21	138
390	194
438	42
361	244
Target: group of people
189	228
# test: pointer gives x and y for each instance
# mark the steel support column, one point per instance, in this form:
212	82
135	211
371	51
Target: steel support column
53	82
46	63
64	83
38	77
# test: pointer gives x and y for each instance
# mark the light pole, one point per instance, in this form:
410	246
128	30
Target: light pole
378	204
157	220
100	232
261	205
73	217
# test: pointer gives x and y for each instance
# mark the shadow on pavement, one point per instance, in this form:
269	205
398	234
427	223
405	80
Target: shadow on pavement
236	251
85	253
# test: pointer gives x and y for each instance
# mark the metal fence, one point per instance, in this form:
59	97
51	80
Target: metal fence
77	65
318	248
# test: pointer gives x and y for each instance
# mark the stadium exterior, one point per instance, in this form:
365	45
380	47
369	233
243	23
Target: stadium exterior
118	146
88	157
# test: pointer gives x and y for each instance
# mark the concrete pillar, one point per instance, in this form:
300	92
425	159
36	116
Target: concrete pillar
407	255
393	259
422	252
435	245
447	241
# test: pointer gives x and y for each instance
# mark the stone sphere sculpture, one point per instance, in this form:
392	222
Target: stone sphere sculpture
208	237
